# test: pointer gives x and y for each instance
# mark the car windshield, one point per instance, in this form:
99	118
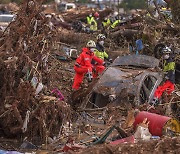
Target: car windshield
6	18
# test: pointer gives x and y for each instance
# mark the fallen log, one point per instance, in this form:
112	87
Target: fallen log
127	33
73	15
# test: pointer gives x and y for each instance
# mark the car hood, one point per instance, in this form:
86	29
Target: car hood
125	80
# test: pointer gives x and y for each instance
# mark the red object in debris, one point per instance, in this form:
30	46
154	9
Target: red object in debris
96	14
73	147
129	139
156	122
58	93
67	148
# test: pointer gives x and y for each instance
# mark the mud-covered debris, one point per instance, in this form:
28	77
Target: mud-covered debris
25	47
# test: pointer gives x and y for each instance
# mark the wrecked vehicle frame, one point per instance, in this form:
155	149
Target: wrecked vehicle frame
132	78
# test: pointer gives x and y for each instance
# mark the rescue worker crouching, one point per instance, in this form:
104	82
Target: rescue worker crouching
115	21
169	70
110	23
84	65
91	23
106	23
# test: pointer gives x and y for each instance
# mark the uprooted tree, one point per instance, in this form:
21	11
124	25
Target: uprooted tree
24	49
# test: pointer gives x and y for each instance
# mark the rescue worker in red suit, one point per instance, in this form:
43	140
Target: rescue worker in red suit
169	71
84	65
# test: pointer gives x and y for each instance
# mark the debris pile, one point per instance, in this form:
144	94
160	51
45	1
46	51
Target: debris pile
36	73
175	5
25	47
166	145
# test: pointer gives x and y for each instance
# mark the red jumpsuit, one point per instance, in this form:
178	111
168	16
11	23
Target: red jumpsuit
168	86
84	60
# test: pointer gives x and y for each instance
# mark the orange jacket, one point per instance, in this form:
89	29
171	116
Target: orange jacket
86	57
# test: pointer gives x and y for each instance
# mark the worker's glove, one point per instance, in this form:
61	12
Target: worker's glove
89	76
76	64
106	64
166	77
110	60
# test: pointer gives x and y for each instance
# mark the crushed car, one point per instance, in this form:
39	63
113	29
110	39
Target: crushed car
132	77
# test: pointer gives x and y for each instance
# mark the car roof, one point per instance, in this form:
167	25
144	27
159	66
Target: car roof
142	61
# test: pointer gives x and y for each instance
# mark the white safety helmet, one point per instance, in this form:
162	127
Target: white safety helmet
91	44
115	13
166	50
101	37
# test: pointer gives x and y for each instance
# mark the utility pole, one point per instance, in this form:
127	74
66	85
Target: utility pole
118	7
99	4
110	3
114	4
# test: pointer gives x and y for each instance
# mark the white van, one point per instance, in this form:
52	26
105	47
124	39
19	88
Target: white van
66	6
5	19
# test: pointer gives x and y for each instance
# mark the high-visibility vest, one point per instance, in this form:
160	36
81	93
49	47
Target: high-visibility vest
106	23
101	54
169	66
114	24
93	26
90	19
148	14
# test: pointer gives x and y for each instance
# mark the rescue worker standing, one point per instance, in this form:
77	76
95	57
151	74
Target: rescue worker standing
91	22
83	64
169	70
100	51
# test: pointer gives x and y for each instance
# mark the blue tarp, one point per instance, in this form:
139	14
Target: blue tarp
139	45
